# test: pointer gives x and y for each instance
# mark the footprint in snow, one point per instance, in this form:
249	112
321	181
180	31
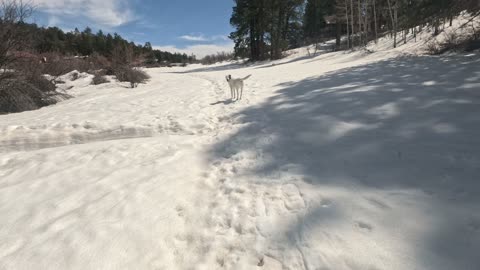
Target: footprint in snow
325	203
293	199
364	226
180	210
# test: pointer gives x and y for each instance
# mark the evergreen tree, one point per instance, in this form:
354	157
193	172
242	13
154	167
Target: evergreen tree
314	18
263	24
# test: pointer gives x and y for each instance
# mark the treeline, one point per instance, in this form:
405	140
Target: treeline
84	43
266	28
216	58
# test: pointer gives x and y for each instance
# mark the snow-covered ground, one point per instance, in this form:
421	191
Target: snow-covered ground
343	161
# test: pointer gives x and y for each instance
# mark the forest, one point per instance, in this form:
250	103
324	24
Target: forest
264	29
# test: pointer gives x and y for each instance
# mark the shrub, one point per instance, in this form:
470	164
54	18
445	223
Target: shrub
133	76
17	95
99	62
472	45
433	48
58	67
99	79
75	76
454	42
41	83
32	72
28	68
215	58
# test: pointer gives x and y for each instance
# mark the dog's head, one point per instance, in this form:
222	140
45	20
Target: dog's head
228	77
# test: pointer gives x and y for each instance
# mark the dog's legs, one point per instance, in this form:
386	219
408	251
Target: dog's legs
232	93
241	92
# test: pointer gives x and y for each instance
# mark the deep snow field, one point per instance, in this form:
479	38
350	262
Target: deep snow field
346	160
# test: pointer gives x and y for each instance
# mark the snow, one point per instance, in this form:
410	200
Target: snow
348	160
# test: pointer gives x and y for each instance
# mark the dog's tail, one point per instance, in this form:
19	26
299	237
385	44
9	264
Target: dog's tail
247	77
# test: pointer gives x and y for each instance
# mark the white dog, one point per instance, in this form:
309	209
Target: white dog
236	86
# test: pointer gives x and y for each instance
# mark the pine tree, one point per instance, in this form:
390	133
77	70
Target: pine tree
262	27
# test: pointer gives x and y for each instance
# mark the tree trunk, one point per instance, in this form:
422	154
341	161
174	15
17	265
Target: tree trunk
393	17
375	19
273	35
348	27
338	15
366	23
395	27
353	28
253	44
359	22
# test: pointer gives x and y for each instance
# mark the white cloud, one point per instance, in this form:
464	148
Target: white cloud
203	38
193	38
107	13
199	50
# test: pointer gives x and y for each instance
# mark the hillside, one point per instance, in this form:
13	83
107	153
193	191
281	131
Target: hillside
364	159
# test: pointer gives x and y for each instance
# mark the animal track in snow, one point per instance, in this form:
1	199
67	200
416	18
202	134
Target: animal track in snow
325	203
378	203
180	210
292	197
364	226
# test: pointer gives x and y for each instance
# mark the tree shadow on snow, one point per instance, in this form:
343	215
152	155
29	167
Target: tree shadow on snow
412	123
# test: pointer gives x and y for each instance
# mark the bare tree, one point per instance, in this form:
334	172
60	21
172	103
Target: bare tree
12	12
394	24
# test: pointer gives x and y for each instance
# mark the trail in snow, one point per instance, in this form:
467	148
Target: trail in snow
378	160
342	161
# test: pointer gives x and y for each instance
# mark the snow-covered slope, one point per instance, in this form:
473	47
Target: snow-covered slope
343	161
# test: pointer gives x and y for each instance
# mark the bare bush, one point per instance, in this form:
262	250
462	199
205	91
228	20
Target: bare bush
122	56
122	62
42	84
75	76
473	43
433	48
32	71
99	79
453	41
29	67
216	58
17	95
11	37
58	67
100	62
133	76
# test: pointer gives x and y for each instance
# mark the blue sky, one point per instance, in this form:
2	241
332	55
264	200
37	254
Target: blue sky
190	26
